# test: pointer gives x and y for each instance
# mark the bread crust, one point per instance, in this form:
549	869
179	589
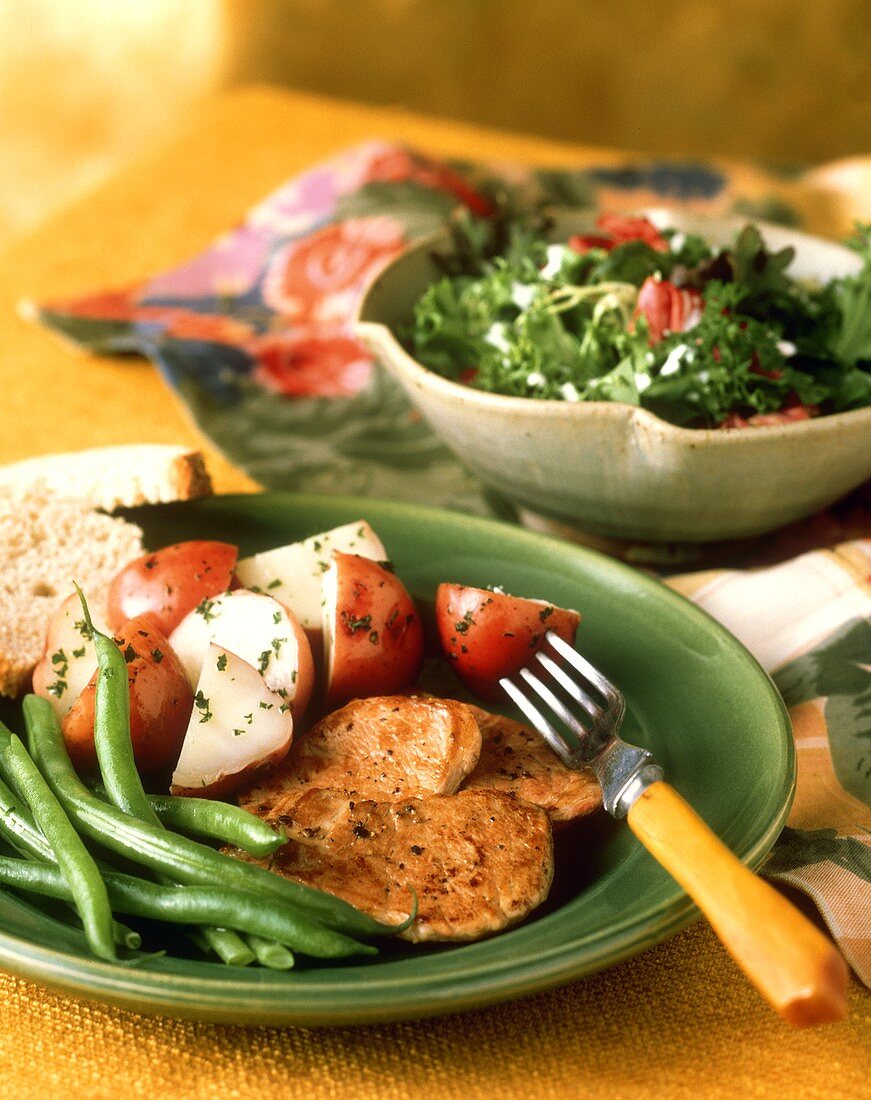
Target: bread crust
14	675
190	478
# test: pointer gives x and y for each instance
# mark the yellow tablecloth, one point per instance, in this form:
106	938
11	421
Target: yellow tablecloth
678	1021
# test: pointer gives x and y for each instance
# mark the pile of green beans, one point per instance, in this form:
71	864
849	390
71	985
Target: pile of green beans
117	766
239	910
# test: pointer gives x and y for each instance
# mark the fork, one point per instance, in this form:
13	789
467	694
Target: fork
578	712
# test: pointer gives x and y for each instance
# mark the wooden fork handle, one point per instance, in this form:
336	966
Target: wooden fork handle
789	960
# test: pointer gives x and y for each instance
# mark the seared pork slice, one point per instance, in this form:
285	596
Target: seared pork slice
382	748
479	861
516	759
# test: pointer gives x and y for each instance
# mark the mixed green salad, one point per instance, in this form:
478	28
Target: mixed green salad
702	337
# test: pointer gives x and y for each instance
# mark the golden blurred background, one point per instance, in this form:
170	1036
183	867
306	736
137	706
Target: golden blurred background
87	84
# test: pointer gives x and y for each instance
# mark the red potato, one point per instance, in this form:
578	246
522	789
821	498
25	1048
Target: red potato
487	635
294	573
261	631
69	659
237	727
373	636
171	582
160	702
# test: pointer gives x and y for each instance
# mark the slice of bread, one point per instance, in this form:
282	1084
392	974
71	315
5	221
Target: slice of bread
52	532
114	477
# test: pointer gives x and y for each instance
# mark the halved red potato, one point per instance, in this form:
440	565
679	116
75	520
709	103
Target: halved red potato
160	702
171	582
487	635
294	574
373	636
237	726
70	659
256	628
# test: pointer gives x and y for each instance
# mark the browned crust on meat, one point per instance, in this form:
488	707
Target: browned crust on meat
384	748
479	861
514	758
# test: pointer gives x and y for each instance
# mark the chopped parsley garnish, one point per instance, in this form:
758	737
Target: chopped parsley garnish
462	627
221	662
264	660
79	652
157	656
202	705
545	614
276	618
130	654
276	583
352	625
206	608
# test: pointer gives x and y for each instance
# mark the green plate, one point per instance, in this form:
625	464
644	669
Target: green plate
695	697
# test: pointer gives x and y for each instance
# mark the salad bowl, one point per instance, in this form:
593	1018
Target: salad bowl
617	469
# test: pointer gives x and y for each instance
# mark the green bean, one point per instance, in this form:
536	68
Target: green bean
19	828
21	832
211	819
227	951
213	905
112	726
183	860
273	955
74	861
228	945
219	821
118	766
126	937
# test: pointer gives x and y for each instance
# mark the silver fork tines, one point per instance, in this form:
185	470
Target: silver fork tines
551	736
589	739
583	666
568	685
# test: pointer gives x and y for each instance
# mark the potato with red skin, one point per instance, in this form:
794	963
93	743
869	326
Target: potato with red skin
373	633
487	635
69	658
238	727
261	631
161	702
169	583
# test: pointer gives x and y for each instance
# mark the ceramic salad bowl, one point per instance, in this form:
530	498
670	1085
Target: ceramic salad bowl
616	469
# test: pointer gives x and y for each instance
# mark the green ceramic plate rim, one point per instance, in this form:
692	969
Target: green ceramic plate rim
228	996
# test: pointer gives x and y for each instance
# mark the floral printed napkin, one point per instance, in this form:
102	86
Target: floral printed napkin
255	336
